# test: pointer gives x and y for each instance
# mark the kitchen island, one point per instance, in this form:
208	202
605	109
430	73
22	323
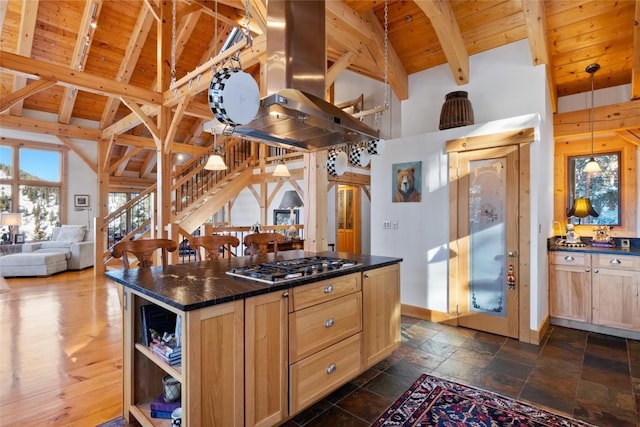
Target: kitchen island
258	353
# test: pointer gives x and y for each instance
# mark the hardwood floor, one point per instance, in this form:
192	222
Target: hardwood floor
61	363
61	351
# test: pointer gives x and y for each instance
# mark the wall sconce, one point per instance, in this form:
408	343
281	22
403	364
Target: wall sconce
592	166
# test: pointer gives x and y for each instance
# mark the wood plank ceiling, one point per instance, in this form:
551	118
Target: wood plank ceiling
97	59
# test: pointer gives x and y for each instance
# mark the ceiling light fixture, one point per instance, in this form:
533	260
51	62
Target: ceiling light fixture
215	161
592	166
281	170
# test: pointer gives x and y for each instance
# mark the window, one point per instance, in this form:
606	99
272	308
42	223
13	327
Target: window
603	189
31	184
604	203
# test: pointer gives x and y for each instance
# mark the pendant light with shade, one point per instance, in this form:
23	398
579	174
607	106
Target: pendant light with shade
592	166
281	169
215	161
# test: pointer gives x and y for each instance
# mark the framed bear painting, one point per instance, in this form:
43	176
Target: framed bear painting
406	182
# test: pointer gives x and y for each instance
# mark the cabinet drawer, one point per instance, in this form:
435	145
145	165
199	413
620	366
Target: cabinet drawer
617	262
570	258
322	325
317	375
315	293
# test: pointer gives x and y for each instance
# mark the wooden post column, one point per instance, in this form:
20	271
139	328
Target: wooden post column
315	203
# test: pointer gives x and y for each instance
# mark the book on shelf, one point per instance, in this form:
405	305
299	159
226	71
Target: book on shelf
161	414
158	319
171	355
160	405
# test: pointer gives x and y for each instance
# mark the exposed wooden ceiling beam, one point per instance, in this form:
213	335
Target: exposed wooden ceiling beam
149	144
129	121
155	11
337	67
74	147
175	121
147	165
635	70
34	69
48	128
31	89
117	168
368	30
447	29
536	21
25	43
608	118
129	60
630	135
146	120
80	55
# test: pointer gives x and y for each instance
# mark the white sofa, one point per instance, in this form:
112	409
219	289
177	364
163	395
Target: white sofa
70	248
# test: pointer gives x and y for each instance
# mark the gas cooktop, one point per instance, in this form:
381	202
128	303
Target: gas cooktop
291	269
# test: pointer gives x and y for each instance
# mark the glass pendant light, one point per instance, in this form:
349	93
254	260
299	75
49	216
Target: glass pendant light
215	161
592	166
281	170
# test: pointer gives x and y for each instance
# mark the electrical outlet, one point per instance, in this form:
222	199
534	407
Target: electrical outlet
624	243
386	224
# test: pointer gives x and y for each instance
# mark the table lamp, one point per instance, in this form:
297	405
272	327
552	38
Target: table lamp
290	201
11	220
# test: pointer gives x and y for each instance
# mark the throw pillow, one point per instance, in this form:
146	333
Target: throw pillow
71	233
49	244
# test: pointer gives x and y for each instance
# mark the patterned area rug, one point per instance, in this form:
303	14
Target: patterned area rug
432	401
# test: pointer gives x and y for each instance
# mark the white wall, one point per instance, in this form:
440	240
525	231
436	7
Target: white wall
503	85
81	179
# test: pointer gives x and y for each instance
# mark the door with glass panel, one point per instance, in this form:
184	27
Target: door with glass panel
487	240
348	219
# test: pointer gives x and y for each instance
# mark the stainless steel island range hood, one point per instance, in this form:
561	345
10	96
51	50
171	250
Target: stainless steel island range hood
294	113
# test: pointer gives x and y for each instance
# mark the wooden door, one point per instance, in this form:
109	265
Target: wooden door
348	219
487	214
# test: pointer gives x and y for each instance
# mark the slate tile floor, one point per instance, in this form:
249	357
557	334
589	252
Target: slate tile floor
586	375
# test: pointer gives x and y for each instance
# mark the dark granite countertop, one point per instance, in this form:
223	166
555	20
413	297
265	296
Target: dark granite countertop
201	284
634	250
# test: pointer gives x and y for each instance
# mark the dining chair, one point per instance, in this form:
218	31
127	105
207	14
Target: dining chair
143	250
259	242
213	244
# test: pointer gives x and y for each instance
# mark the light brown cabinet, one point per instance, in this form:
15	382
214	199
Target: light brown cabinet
381	313
266	362
595	289
212	346
615	287
570	286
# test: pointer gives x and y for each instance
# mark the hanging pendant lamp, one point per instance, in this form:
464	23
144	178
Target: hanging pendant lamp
592	166
215	161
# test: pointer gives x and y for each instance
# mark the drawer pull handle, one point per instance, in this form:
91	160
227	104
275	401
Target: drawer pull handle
569	258
329	322
615	261
331	368
328	289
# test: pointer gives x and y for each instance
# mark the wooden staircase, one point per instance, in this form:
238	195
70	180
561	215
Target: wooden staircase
199	211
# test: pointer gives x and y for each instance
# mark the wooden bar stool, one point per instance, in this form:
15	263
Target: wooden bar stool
212	245
143	250
259	242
